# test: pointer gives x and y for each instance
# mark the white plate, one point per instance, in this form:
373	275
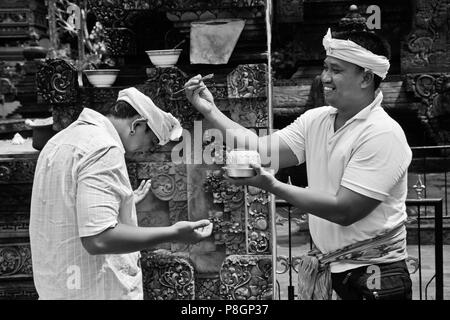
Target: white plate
240	172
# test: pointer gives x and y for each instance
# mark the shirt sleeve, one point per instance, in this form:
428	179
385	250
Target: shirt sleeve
377	165
294	136
99	191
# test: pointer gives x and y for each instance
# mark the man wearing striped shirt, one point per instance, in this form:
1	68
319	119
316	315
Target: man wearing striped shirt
84	237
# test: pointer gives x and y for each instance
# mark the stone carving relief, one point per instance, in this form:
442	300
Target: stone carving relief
163	186
249	112
109	13
258	221
425	47
18	19
167	276
120	41
168	180
163	82
15	260
169	184
92	97
17	171
433	90
16	222
229	219
219	91
13	17
115	13
160	87
56	82
20	290
207	287
178	211
246	277
247	81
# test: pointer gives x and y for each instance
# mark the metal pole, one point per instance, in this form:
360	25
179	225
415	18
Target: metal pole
419	252
438	251
269	17
290	287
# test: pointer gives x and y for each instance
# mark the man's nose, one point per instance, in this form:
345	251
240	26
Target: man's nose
325	76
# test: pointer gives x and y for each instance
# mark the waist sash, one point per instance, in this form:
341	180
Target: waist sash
314	274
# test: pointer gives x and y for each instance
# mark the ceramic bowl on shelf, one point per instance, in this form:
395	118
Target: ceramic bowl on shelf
164	58
102	78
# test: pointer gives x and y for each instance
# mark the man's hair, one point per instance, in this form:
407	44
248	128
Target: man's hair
369	41
118	109
121	110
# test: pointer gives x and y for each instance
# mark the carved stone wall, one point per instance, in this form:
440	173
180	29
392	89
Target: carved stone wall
18	19
188	188
15	260
16	178
246	278
167	276
426	66
432	92
425	48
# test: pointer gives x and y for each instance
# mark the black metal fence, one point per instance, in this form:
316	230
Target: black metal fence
430	166
287	264
438	245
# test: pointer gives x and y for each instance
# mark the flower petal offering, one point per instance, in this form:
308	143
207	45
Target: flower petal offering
238	163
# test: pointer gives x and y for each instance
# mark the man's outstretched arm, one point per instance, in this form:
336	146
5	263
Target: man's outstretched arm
125	238
270	146
344	208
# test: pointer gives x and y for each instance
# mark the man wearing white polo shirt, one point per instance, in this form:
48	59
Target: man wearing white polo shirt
357	158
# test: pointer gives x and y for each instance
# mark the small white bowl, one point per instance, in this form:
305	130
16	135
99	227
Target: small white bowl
164	58
240	158
102	78
233	172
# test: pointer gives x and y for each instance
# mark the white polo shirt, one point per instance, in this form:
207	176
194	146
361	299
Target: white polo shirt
369	154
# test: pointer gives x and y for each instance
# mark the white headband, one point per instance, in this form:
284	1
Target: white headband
349	51
165	126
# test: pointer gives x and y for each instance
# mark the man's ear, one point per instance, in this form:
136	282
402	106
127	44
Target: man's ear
368	79
135	123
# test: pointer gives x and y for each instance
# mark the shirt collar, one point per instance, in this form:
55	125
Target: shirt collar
364	113
97	119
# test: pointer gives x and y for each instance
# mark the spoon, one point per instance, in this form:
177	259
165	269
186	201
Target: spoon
179	44
208	76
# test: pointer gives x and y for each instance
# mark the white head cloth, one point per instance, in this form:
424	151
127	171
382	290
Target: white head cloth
351	52
165	126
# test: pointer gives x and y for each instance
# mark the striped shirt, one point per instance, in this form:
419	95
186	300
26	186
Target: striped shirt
81	188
